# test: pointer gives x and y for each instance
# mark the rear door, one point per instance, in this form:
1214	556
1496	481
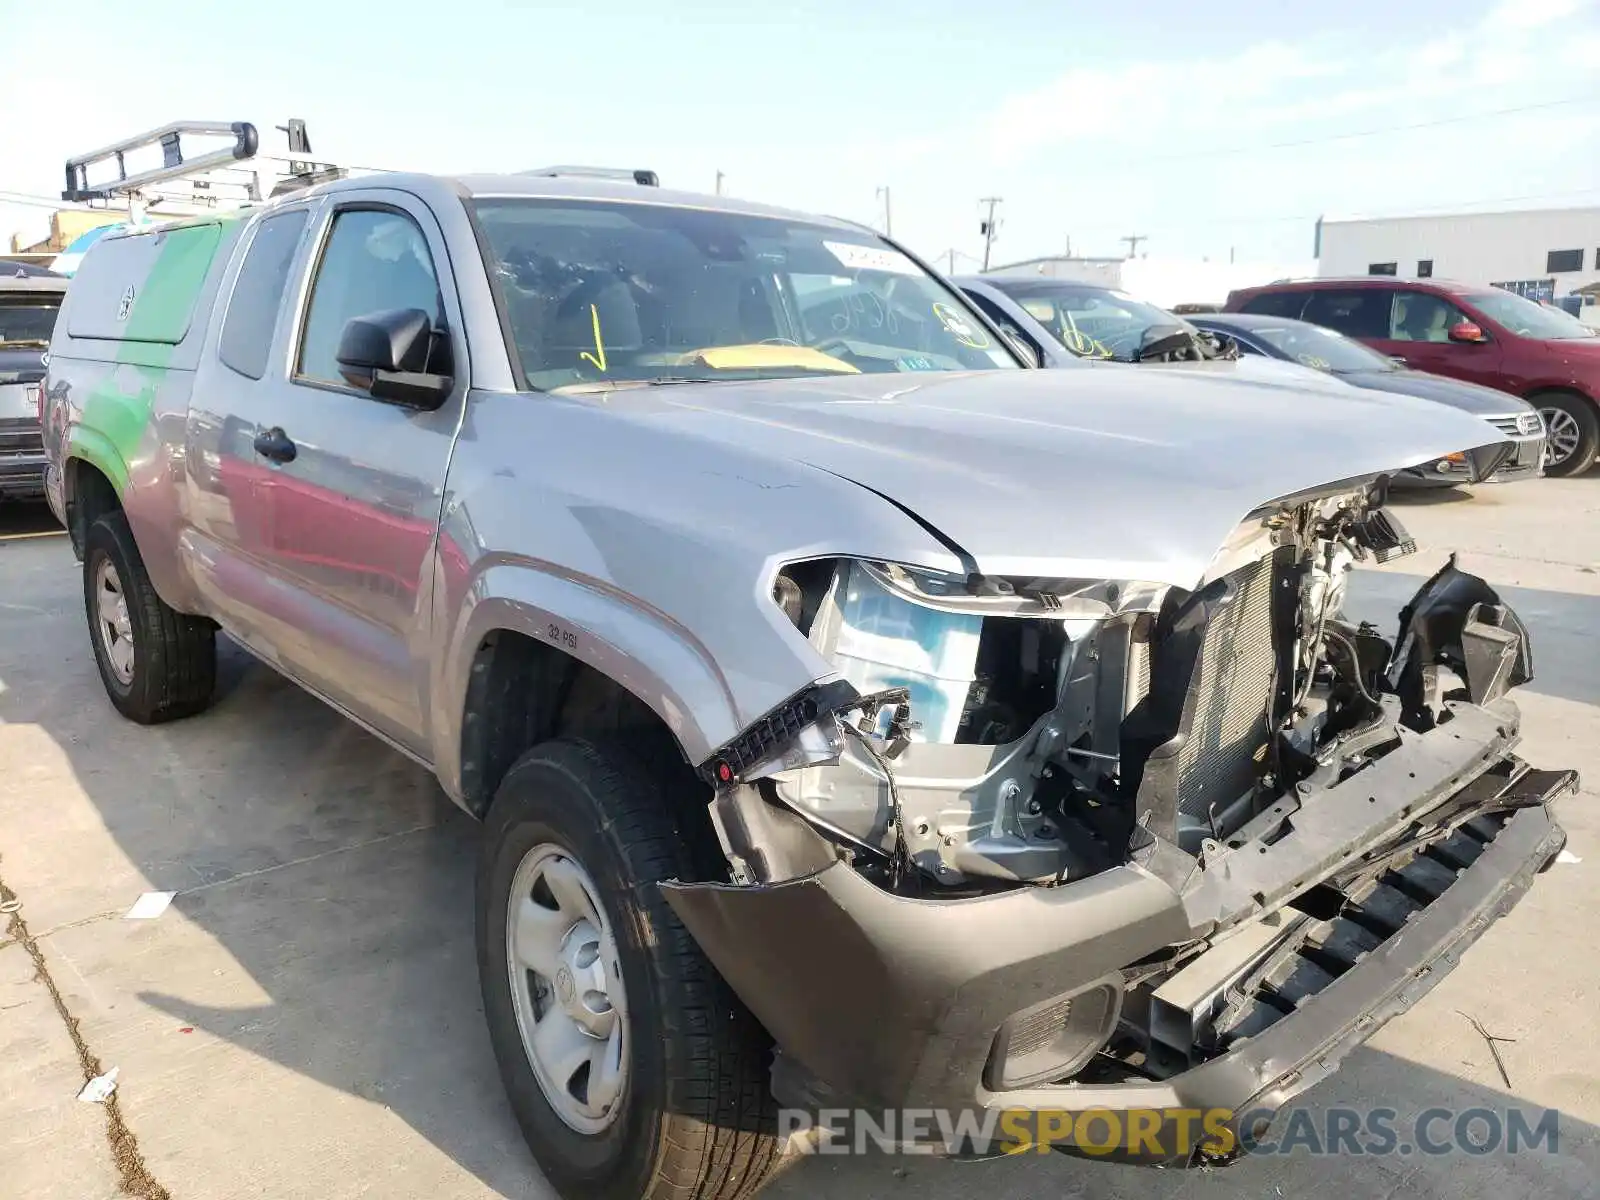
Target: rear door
335	544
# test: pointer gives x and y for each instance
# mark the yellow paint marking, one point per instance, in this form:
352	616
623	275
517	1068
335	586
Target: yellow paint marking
43	533
599	345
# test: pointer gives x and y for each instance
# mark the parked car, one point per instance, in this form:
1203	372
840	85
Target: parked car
1288	340
29	300
1482	335
855	716
1064	323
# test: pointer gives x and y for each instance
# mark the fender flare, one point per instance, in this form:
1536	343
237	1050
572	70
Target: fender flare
643	651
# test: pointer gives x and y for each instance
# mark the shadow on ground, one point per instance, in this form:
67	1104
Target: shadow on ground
335	874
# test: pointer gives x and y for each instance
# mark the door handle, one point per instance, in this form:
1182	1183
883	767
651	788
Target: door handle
275	445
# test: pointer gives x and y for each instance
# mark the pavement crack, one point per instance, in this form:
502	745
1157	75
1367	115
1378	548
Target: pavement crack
134	1176
310	858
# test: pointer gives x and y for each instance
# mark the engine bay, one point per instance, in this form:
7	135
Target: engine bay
1038	731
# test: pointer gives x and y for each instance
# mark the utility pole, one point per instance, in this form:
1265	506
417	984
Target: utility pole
951	254
888	223
989	227
1133	241
719	183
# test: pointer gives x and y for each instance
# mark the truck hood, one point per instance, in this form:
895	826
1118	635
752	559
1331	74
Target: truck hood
1468	397
1115	473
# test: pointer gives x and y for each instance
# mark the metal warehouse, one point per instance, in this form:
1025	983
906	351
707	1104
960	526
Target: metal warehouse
1543	254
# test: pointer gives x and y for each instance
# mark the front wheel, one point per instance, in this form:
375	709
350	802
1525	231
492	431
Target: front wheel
1572	433
157	664
633	1070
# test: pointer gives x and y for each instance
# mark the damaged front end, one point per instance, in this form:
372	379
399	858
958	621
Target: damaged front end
1156	842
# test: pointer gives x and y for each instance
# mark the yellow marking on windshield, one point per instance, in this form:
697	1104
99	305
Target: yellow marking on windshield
599	356
1311	360
756	355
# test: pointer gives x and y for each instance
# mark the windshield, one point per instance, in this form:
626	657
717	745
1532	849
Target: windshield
1090	322
28	322
600	293
1527	319
1314	346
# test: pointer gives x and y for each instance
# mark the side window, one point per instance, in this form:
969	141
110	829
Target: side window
1356	312
1422	317
998	315
1275	304
374	260
258	293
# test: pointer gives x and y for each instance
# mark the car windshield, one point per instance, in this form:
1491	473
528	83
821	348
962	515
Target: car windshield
599	293
1090	322
1324	349
28	322
1527	319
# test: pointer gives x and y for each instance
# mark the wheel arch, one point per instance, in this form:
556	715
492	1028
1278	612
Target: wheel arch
558	658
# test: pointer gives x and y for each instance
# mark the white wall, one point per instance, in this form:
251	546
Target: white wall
1477	248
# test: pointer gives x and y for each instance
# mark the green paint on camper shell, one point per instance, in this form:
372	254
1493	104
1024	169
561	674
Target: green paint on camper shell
120	406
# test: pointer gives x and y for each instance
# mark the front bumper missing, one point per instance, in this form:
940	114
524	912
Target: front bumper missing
896	1002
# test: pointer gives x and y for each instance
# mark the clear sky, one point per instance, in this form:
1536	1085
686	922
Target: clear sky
1091	120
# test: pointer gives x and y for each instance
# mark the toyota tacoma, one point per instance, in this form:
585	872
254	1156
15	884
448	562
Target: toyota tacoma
855	715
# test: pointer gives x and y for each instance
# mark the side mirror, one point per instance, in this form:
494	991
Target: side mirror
1467	331
386	354
1028	351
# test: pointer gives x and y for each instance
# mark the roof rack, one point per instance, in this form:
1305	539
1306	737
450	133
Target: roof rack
213	176
173	163
624	174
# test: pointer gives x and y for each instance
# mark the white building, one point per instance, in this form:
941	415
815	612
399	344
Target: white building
1543	253
1164	282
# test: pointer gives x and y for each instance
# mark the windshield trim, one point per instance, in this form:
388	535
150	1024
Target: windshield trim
519	375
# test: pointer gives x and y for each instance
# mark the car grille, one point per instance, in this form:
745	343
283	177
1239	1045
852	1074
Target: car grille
1528	424
1219	758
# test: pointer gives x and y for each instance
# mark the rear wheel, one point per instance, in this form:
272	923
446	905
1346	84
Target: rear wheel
633	1070
157	664
1572	432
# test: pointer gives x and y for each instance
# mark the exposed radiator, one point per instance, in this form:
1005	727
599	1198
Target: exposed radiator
1218	761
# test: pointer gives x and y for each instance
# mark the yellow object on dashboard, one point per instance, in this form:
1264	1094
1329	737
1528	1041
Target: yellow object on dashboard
756	355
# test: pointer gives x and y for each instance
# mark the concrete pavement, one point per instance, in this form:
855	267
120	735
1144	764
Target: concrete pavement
304	1020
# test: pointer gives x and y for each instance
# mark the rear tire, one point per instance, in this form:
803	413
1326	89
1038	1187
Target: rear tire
157	664
693	1117
1574	422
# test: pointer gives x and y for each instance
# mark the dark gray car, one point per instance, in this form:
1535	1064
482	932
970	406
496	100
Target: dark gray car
29	301
1288	340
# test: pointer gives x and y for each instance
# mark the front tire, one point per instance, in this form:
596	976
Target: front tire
669	1096
157	664
1572	433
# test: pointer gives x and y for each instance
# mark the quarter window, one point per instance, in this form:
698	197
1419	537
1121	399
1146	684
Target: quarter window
1354	312
1275	304
258	292
375	260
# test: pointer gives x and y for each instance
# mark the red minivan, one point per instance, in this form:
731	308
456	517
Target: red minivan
1481	334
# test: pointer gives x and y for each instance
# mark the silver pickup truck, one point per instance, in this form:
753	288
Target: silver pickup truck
856	716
